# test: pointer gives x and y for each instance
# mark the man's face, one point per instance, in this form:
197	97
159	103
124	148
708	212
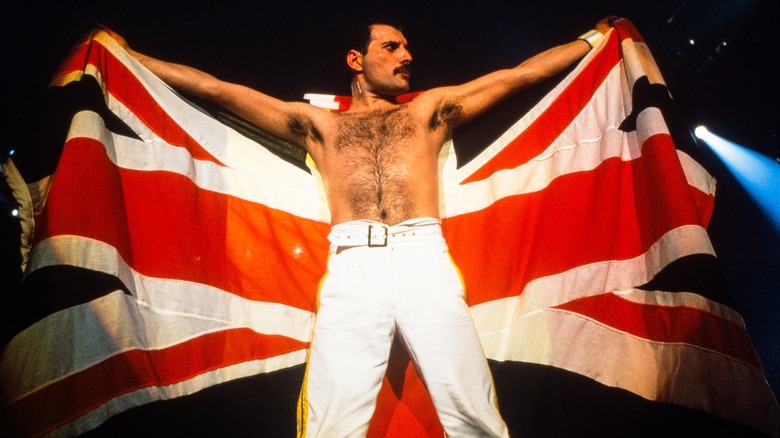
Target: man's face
386	63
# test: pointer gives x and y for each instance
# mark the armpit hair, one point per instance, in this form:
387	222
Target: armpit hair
447	114
302	126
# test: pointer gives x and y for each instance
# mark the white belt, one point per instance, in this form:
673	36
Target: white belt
377	234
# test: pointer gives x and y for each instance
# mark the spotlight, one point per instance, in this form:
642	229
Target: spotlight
758	174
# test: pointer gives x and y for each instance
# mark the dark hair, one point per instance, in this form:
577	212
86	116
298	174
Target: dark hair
359	37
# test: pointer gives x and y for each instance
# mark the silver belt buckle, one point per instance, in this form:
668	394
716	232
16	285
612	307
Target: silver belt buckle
372	244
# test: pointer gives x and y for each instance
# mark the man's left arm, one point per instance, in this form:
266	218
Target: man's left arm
475	97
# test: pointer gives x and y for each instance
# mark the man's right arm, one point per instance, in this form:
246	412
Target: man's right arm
475	97
289	120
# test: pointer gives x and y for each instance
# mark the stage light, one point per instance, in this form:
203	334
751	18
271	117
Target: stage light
15	213
757	173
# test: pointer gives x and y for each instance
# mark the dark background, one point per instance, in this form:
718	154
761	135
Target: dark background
289	48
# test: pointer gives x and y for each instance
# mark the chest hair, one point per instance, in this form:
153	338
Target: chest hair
375	149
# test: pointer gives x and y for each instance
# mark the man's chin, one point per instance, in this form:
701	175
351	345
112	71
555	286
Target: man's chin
403	89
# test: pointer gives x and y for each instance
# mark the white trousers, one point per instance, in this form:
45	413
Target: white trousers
409	287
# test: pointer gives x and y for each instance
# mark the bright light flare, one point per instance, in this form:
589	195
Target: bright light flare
701	132
758	174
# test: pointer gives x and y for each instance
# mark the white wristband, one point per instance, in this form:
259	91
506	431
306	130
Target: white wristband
592	37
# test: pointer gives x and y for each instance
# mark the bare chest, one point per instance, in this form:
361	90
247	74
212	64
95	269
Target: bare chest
374	167
378	134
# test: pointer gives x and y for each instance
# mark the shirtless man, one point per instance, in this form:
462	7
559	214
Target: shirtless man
389	269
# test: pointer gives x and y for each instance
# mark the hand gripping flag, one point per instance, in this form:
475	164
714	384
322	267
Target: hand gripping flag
171	286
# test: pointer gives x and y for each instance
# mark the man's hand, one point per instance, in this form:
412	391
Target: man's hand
605	24
119	39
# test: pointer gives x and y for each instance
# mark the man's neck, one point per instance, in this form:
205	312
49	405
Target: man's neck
366	101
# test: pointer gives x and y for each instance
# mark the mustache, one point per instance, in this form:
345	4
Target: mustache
403	69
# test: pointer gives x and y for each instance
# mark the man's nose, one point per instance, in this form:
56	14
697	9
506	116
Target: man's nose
406	57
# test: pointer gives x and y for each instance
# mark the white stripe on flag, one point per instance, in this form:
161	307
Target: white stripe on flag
186	309
100	414
298	195
652	370
494	319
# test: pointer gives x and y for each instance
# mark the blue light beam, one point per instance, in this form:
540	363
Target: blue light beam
758	174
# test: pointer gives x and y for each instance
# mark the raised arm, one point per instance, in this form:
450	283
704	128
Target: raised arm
289	120
475	97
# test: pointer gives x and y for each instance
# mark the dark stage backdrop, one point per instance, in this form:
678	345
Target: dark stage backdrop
288	53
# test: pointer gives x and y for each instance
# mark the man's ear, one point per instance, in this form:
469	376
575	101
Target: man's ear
355	61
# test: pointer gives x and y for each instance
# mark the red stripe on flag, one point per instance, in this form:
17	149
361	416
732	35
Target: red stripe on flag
404	408
626	30
127	89
65	400
548	126
164	226
609	213
75	61
668	324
